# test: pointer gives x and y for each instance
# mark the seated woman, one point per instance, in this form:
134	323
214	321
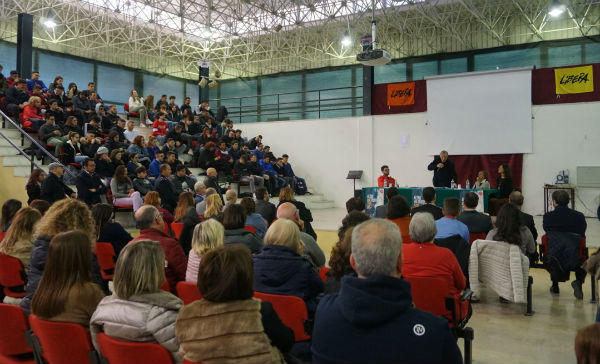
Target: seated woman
509	229
138	146
252	218
9	210
66	292
481	182
112	141
136	104
72	126
214	207
227	324
72	149
18	241
152	147
116	158
234	220
280	269
423	258
122	190
34	184
339	261
185	213
153	198
108	231
208	235
287	195
398	212
138	309
32	116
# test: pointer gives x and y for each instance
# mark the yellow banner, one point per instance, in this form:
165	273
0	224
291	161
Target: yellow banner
574	80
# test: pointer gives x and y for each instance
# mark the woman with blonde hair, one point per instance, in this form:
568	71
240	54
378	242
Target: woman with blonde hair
287	195
214	206
152	198
32	116
66	292
138	309
281	269
136	104
18	241
207	236
64	215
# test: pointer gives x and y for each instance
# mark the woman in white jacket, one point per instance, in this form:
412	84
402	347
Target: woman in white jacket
136	104
139	310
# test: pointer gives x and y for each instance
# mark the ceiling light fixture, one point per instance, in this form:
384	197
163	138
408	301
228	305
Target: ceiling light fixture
556	9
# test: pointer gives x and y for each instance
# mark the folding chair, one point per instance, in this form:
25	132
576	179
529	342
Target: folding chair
13	337
12	276
188	292
119	352
177	228
105	253
291	310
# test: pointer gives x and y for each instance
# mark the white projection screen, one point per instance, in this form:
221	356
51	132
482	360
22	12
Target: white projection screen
480	112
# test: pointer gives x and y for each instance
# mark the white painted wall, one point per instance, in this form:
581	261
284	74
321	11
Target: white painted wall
322	151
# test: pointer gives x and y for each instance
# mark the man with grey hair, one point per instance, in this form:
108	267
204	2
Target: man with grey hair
230	198
312	252
201	206
200	190
443	170
53	187
516	198
152	227
372	318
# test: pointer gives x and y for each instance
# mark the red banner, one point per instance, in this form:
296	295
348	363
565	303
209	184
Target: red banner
380	99
400	94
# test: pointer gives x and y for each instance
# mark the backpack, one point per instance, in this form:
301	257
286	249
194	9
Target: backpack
300	188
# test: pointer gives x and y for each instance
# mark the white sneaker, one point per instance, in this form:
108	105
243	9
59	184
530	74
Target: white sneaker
149	122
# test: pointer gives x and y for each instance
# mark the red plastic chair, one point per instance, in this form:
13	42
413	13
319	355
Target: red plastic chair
165	286
582	251
323	273
117	207
188	292
2	235
130	113
105	253
476	236
63	342
12	276
250	229
177	228
291	310
119	352
13	344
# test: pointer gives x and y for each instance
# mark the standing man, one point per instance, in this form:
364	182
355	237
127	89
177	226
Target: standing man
53	189
443	170
386	180
88	183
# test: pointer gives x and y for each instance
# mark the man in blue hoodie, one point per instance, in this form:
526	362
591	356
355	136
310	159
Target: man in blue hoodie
372	319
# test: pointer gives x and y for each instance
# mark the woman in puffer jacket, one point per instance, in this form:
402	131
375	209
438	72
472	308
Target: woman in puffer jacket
139	310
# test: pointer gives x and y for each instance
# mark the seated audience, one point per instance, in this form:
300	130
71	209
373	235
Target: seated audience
214	207
72	150
41	205
263	207
201	206
138	147
166	188
152	147
136	104
130	133
587	344
381	211
154	167
53	189
355	203
138	310
375	310
153	199
509	229
425	259
200	192
243	173
107	230
52	134
516	198
448	225
504	183
287	195
475	220
34	184
9	210
311	251
429	206
207	236
141	183
16	98
89	184
339	263
66	292
152	227
398	212
211	181
563	218
185	213
104	166
234	220
122	190
385	180
230	198
252	218
32	117
63	216
481	182
225	282
19	238
182	182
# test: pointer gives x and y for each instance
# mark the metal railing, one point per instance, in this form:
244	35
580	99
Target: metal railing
34	144
277	109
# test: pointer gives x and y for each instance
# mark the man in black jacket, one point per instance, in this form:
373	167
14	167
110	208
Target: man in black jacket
58	94
516	198
475	221
211	180
56	111
166	188
443	170
88	183
119	128
16	97
263	207
243	173
429	198
53	188
52	134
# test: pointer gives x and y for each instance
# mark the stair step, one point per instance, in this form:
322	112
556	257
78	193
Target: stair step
7	151
11	133
15	161
320	205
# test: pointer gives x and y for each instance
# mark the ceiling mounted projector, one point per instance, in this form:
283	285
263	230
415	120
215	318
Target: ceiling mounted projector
371	56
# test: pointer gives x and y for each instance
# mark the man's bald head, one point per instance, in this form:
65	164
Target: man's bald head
287	211
211	172
516	198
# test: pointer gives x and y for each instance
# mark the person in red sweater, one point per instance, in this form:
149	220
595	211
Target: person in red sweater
152	227
385	180
423	258
32	117
160	127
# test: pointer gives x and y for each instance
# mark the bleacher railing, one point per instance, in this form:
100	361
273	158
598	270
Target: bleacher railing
280	106
35	144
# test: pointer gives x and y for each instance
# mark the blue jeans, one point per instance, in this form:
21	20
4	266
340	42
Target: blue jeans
80	158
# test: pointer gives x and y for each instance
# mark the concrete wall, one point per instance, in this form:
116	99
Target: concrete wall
11	186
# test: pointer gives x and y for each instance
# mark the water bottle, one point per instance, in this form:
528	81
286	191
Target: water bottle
468	185
452	184
385	184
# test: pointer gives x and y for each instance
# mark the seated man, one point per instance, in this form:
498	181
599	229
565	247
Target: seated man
230	198
88	183
564	219
475	221
311	250
201	206
381	211
429	206
263	207
212	181
200	192
130	133
156	163
448	225
372	318
243	173
516	198
182	182
289	172
141	183
277	182
385	180
166	188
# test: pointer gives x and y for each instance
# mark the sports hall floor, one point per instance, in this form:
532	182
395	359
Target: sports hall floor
503	334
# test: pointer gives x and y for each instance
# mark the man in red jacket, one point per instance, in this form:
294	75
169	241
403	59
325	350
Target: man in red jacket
152	227
385	180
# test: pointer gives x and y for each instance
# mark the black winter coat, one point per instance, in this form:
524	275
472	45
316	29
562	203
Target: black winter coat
244	237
